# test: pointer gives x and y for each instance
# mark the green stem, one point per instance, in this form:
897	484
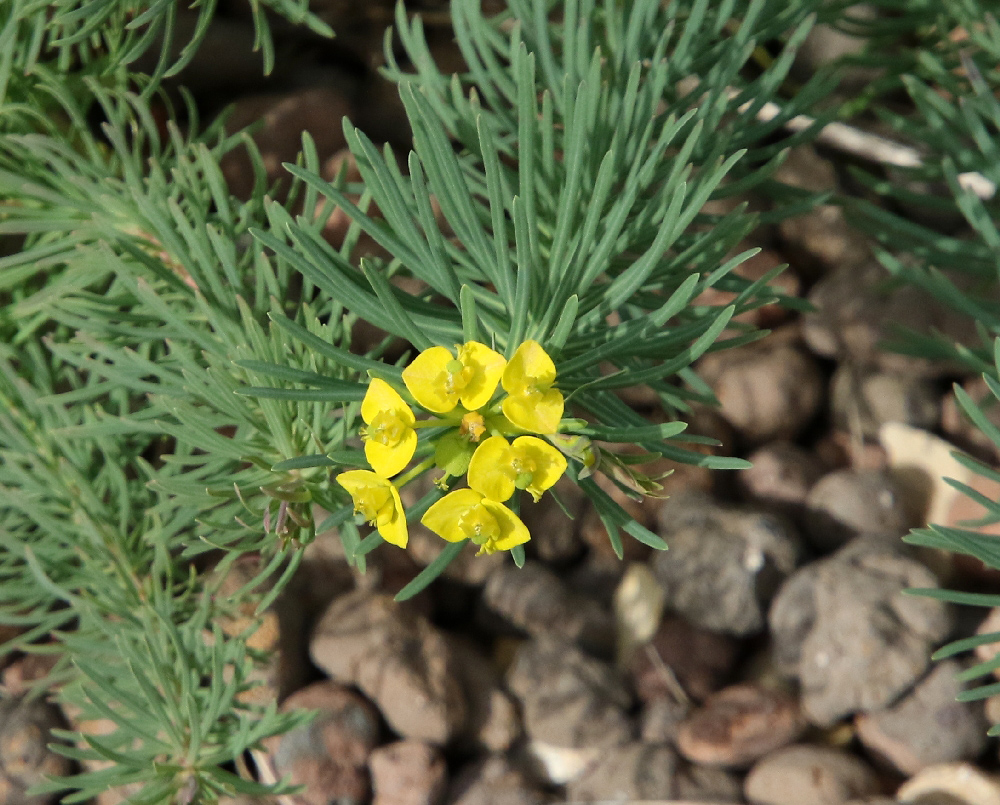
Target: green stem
431	423
422	467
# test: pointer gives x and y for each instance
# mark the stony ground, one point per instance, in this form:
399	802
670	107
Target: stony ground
768	657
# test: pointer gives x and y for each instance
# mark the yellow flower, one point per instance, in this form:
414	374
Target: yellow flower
532	404
439	380
377	500
498	468
466	514
389	438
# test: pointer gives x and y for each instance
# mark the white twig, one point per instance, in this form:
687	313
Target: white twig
871	146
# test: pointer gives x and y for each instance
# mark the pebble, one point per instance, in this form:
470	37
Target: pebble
842	627
632	771
846	502
638	610
724	564
927	725
494	781
827	44
661	718
704	784
989	625
407	773
328	755
535	599
397	659
782	475
819	240
26	726
493	722
285	116
767	390
554	536
802	774
738	725
950	784
680	653
569	700
862	400
853	312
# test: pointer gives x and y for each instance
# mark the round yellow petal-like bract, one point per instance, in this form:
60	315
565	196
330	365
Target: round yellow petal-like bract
377	499
535	410
444	516
512	530
426	377
546	463
383	397
490	470
458	513
530	366
387	460
395	531
487	367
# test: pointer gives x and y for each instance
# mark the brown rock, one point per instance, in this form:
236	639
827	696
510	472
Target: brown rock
25	757
782	474
694	783
633	771
494	781
862	400
845	503
328	755
661	719
681	653
821	240
738	725
285	117
493	722
926	726
554	536
857	310
568	698
397	659
809	774
950	784
766	391
407	773
724	564
534	599
989	625
842	627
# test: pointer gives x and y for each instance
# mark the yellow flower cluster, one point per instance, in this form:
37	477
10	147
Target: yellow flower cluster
459	387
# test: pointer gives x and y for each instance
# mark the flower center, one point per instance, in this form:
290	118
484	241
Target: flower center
386	428
473	426
524	470
479	525
457	376
374	503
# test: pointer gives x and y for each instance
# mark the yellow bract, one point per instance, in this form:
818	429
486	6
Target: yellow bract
440	380
531	402
498	468
389	438
466	514
377	500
